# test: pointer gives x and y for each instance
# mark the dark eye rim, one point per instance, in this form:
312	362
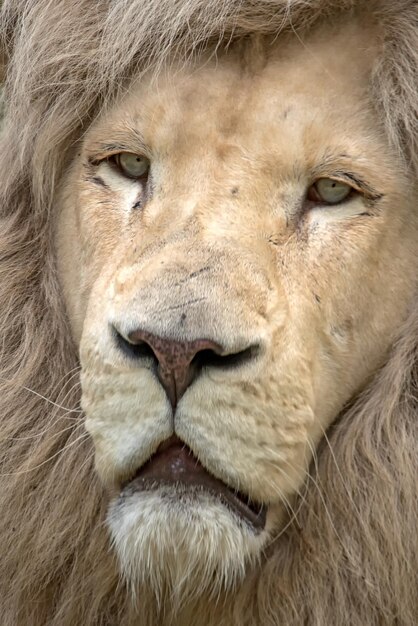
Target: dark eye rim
114	161
313	197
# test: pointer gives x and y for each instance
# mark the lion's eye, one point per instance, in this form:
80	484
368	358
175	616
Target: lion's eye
329	191
132	165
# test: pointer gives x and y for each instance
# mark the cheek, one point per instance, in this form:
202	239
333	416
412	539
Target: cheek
348	302
91	225
101	227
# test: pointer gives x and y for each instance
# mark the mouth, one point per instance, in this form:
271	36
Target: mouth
174	464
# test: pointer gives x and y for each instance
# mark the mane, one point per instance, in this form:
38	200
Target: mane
350	553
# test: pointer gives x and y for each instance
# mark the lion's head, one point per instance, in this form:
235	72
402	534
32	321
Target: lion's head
209	267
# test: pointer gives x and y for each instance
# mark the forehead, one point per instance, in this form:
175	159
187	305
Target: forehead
283	94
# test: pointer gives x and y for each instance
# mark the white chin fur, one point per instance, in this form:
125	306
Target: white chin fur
181	543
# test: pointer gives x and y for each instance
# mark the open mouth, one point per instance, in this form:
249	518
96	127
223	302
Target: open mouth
174	464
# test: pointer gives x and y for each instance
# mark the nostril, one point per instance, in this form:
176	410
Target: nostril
178	363
210	358
134	350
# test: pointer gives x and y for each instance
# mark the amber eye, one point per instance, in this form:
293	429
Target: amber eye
329	191
132	165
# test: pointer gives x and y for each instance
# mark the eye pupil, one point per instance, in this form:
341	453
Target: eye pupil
132	165
329	191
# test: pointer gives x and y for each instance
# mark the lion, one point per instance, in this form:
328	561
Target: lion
208	310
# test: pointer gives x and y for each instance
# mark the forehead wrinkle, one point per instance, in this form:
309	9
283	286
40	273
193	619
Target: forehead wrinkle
217	111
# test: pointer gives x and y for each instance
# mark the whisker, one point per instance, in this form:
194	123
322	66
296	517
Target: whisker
327	511
315	483
343	482
39	395
89	458
60	452
39	435
66	378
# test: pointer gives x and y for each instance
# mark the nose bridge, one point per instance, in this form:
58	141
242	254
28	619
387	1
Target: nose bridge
185	292
216	198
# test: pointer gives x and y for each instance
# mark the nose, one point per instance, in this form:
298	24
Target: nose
179	362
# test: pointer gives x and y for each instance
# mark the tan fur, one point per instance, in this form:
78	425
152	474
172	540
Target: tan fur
349	554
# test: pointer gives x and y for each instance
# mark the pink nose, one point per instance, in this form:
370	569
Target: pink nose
178	361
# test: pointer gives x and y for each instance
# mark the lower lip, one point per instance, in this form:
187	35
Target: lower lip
176	467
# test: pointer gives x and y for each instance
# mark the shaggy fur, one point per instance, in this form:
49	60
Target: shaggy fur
351	554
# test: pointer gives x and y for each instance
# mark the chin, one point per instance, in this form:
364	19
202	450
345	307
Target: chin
182	542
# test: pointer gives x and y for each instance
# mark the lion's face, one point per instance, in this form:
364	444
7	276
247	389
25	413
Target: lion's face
235	243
